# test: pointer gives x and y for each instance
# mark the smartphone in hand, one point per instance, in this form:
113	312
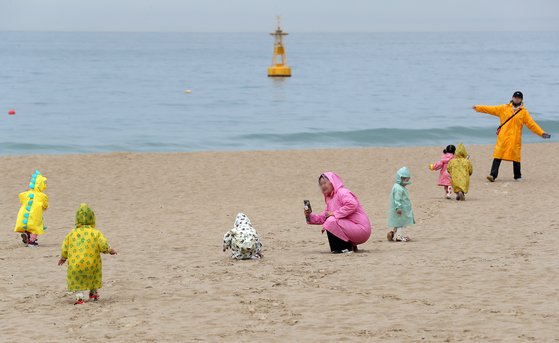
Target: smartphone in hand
308	208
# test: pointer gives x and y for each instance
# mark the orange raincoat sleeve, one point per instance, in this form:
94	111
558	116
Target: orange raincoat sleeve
493	110
531	124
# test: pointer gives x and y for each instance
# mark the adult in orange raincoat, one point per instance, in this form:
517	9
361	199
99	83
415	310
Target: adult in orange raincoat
513	116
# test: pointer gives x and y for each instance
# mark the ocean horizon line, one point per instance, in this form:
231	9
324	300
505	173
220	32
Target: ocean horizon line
289	31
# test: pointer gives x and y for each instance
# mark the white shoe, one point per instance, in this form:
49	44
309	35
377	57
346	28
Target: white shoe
449	193
401	238
345	251
518	180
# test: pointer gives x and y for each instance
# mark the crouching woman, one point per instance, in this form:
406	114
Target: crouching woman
344	219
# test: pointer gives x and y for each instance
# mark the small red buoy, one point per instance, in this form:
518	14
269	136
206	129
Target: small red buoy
12	112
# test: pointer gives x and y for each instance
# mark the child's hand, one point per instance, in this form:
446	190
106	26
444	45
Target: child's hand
474	108
399	211
112	252
61	261
329	214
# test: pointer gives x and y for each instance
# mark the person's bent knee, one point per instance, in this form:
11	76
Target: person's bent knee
330	221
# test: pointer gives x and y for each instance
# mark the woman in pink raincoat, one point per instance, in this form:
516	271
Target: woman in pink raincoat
444	176
344	219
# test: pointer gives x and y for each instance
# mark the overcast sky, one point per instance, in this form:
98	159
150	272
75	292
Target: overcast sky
298	15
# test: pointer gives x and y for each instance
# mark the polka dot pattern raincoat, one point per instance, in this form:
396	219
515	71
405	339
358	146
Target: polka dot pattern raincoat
82	247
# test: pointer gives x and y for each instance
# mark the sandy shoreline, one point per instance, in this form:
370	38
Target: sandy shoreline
482	270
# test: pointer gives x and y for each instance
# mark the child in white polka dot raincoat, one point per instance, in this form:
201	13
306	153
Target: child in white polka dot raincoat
243	240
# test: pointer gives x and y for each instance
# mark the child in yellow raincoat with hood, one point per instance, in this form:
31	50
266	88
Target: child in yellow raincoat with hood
82	248
460	169
30	216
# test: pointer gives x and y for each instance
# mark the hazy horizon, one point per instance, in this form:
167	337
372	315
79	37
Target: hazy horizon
259	16
266	32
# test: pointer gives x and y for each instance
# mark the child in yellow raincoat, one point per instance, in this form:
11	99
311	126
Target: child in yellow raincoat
460	168
82	247
30	216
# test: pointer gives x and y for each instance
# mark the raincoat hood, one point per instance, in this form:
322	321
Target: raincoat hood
38	182
335	180
402	173
461	151
85	216
242	219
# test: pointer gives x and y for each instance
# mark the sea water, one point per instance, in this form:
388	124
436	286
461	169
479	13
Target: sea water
104	92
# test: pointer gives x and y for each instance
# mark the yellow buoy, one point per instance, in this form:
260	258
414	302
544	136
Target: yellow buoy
279	67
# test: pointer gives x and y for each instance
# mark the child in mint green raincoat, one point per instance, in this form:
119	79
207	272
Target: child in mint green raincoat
401	214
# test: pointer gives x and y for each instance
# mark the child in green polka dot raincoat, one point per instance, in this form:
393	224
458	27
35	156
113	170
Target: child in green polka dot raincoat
82	247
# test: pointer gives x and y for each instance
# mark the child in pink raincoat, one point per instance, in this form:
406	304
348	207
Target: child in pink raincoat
344	219
442	165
